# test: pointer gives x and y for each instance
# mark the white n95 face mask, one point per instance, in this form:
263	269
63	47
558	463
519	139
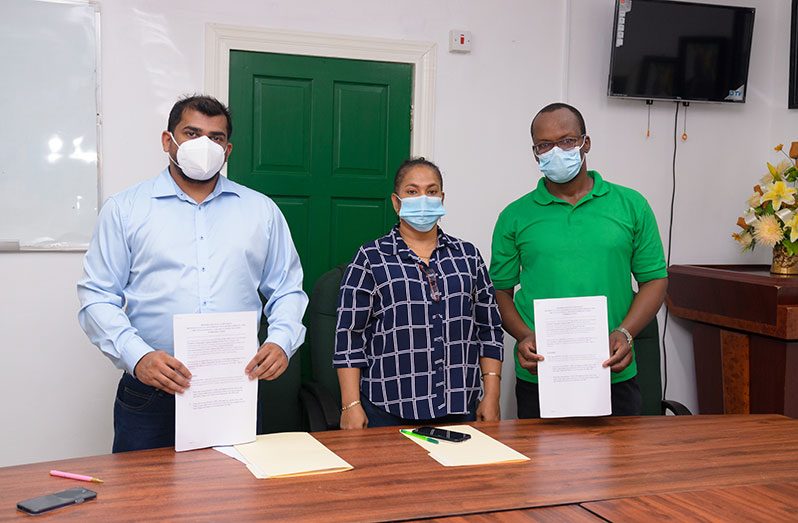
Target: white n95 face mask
199	159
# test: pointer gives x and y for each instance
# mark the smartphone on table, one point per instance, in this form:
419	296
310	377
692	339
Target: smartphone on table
446	435
64	498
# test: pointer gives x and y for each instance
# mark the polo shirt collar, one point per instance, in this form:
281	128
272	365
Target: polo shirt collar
542	195
165	186
394	244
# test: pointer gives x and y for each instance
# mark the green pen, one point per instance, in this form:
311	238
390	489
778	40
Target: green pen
419	436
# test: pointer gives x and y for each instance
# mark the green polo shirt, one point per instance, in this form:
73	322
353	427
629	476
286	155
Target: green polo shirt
557	250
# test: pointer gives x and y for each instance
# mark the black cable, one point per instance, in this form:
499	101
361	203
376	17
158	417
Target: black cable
670	243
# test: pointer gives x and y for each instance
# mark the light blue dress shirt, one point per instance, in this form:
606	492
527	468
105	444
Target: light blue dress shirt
155	253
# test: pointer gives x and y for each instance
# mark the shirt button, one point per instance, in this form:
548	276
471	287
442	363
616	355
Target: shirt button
205	303
203	269
202	237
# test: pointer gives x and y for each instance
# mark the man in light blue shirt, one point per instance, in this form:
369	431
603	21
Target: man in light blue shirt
186	241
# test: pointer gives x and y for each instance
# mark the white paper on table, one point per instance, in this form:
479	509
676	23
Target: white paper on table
480	449
231	452
571	334
220	405
287	454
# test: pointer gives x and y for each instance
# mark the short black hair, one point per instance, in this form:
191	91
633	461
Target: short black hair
207	105
410	163
556	106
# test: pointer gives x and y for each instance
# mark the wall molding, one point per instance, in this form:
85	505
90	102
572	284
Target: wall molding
221	39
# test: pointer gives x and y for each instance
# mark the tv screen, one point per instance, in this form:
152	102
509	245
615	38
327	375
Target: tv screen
684	51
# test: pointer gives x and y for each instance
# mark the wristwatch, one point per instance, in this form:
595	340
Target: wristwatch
629	339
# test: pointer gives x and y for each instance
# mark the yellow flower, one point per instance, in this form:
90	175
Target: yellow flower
779	193
767	230
744	239
779	147
793	225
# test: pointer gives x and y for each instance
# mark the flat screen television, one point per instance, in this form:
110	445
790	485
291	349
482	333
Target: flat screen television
682	51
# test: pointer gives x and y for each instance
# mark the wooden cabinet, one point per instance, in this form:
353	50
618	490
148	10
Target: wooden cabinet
745	336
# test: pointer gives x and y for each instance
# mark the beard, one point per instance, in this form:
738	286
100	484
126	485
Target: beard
173	165
192	181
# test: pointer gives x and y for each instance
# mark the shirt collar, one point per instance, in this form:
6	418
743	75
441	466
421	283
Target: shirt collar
542	195
393	243
165	186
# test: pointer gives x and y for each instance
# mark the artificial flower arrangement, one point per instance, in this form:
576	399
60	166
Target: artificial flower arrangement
772	216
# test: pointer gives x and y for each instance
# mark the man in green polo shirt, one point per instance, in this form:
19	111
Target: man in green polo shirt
576	235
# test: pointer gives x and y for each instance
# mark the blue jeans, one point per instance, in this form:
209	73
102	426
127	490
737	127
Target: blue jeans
144	417
381	418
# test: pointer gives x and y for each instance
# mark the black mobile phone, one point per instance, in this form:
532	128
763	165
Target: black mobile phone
64	498
446	435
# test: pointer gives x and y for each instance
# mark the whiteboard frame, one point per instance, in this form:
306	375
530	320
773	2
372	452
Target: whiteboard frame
10	245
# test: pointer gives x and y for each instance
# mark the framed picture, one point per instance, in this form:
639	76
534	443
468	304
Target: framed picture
792	103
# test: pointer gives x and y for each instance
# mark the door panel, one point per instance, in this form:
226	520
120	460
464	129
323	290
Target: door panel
322	137
367	213
361	117
296	210
282	116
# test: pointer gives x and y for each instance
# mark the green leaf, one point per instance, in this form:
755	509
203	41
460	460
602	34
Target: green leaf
792	248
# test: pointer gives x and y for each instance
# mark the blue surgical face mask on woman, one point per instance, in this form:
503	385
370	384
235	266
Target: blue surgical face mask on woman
561	166
421	212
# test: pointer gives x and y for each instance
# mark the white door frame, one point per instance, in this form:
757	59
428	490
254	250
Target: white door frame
221	39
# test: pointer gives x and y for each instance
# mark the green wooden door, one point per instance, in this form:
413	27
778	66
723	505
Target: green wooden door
322	137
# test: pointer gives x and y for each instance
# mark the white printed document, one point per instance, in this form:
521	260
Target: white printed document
220	405
572	335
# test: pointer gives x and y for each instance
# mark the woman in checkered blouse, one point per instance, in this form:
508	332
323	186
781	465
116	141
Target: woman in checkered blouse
418	336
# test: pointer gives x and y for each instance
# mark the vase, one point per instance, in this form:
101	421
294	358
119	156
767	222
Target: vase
783	262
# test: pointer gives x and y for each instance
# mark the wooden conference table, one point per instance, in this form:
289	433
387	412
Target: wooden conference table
579	468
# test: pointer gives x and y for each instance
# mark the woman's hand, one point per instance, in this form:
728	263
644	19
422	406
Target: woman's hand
354	418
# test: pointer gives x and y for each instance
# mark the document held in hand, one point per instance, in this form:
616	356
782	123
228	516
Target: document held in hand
572	335
220	405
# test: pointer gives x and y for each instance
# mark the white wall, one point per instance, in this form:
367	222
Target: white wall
716	167
57	390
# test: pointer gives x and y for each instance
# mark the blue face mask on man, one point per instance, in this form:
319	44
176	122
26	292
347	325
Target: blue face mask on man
561	166
421	212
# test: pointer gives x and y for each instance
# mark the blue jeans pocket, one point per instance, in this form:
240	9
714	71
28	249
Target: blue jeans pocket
136	400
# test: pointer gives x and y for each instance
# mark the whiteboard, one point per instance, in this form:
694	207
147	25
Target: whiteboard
49	161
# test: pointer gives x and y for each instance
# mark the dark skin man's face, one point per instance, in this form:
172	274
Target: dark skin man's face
557	125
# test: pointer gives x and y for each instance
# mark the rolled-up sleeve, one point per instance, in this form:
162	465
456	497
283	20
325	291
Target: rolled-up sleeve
355	300
648	257
486	315
106	268
281	285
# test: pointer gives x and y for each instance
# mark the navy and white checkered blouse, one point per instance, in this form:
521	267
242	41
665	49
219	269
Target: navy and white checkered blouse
419	357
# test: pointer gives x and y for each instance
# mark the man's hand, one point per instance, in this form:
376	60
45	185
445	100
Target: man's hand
620	352
528	355
162	371
354	418
489	409
268	363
